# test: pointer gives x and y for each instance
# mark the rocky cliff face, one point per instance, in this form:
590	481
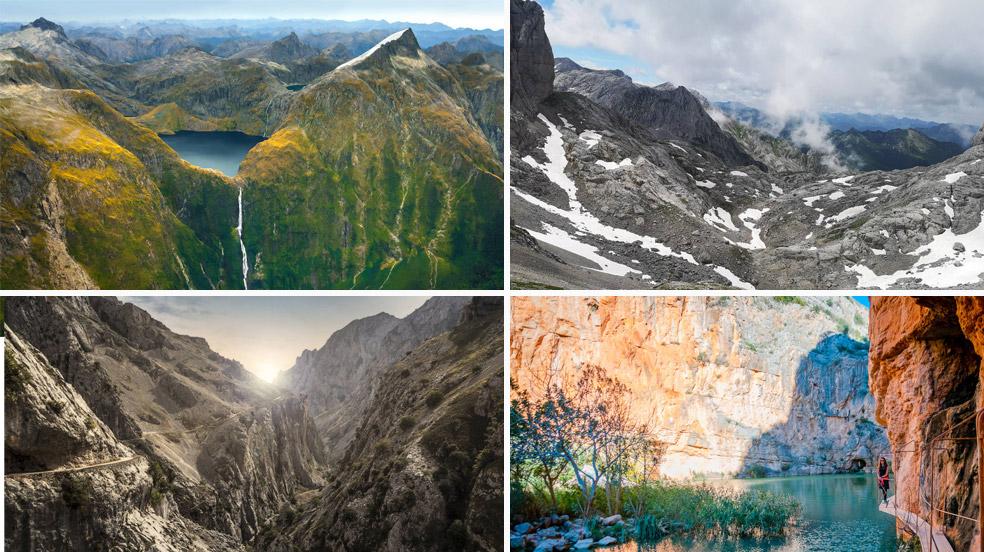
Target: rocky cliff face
222	450
338	379
979	138
424	471
732	385
617	204
925	374
530	56
93	489
672	112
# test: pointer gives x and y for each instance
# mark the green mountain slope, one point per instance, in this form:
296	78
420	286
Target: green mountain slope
91	199
378	177
890	150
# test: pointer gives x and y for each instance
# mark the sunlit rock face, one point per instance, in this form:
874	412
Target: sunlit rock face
728	383
925	374
222	450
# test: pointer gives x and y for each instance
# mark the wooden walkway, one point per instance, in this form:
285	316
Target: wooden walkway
938	542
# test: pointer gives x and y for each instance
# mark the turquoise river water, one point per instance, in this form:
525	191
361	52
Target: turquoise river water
840	514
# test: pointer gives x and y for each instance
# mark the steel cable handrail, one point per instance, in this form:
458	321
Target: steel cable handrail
921	491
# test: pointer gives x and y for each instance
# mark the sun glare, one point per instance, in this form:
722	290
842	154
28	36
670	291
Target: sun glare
267	373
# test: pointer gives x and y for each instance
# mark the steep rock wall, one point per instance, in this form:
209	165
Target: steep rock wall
226	450
103	499
728	383
424	470
338	378
925	374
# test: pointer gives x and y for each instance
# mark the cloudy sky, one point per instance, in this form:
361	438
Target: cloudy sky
477	14
266	334
918	58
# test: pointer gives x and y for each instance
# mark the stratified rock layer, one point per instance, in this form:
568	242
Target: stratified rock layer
730	384
925	374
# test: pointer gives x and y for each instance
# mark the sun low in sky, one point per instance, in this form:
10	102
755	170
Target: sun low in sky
266	334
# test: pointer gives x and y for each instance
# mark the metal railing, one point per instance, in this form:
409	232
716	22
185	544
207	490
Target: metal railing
928	475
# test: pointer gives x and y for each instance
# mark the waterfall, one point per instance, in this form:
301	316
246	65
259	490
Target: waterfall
242	247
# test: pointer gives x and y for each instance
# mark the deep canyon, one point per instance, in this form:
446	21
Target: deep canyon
123	435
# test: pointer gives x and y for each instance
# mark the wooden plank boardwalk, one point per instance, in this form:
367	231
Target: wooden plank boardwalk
938	542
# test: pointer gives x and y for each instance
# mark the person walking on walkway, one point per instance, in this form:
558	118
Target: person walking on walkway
883	478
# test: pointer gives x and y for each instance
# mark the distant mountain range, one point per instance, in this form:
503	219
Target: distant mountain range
208	32
869	142
942	132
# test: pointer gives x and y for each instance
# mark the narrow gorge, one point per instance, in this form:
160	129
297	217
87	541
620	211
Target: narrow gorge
121	434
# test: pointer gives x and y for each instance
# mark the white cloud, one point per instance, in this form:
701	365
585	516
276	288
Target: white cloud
906	57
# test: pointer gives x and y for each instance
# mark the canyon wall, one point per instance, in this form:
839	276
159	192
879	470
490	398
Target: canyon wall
925	374
214	450
731	385
338	378
424	468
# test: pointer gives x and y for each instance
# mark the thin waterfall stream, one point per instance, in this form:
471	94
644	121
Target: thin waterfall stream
242	247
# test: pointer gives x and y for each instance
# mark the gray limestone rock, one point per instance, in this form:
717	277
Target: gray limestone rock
530	55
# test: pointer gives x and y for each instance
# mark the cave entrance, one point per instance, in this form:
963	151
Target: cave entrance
858	464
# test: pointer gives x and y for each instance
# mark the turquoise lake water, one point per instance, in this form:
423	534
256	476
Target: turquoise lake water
840	514
223	151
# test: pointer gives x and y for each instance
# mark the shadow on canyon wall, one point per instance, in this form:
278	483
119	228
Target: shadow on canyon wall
830	425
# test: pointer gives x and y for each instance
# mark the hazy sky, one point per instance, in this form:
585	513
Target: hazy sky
476	14
921	58
266	334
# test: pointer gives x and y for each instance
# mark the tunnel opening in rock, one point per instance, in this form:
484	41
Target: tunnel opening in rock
858	465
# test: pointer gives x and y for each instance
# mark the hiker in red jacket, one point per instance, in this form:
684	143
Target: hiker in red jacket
883	478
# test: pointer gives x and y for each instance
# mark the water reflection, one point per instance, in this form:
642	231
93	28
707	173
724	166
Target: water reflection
840	514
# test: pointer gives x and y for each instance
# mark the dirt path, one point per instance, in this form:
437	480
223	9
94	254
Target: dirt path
126	460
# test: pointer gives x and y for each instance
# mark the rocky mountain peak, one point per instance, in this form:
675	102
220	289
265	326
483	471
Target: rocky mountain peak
675	112
44	25
531	56
400	43
564	64
289	48
979	139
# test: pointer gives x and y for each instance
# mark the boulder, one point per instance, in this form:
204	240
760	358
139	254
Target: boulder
549	545
583	544
611	520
